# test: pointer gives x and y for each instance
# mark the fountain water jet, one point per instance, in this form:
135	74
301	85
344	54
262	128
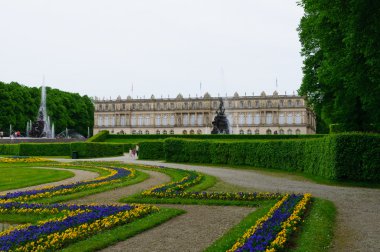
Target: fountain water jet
41	128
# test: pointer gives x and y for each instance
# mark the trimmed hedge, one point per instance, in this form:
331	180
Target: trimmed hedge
9	149
44	149
151	150
352	156
100	137
88	150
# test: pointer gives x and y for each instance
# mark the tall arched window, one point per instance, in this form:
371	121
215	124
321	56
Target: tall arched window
172	120
298	118
185	120
281	118
113	120
133	121
192	120
147	120
200	119
249	119
141	120
158	120
269	118
106	121
100	121
257	118
123	121
241	119
289	118
165	120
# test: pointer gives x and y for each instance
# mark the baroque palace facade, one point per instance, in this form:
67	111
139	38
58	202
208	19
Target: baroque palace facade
264	114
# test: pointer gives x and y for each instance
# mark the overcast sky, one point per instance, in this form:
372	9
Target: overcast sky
163	47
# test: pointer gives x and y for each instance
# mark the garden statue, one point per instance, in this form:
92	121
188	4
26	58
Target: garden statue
220	124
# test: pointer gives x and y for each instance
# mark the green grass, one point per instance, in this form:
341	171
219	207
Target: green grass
19	177
316	232
121	233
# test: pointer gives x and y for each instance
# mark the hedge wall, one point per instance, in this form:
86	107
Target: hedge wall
100	137
151	150
336	157
9	149
88	150
44	149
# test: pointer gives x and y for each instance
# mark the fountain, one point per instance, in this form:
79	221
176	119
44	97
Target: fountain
41	128
220	124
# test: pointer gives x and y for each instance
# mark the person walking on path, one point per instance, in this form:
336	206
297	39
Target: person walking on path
137	150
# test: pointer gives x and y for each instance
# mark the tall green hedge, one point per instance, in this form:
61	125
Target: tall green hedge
88	150
151	150
9	149
352	156
44	149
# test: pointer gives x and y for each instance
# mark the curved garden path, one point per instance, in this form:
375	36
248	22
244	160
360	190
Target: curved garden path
80	175
358	209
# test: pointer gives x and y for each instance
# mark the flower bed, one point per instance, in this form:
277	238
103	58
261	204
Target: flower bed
78	222
22	159
116	174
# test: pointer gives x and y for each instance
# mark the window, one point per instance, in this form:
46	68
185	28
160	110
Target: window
241	132
298	103
165	120
249	104
281	103
257	132
147	120
200	105
257	104
241	119
269	118
298	132
282	132
165	132
171	132
269	132
141	120
184	132
133	121
133	106
140	106
249	119
290	132
269	104
241	104
215	104
172	120
191	132
133	132
106	121
158	120
100	123
192	120
172	105
140	132
289	103
123	121
249	132
281	118
185	120
157	132
257	119
147	132
290	118
199	132
113	120
200	119
298	118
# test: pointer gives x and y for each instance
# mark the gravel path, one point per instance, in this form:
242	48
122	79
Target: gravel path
358	209
79	176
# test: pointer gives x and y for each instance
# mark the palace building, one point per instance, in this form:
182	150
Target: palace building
264	114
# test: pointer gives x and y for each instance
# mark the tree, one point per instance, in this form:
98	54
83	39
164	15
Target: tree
341	45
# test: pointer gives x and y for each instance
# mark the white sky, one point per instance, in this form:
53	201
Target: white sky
163	47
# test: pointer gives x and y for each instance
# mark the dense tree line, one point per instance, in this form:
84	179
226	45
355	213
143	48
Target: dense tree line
19	104
341	45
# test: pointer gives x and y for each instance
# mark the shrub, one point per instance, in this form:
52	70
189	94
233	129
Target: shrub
10	149
44	149
88	150
100	137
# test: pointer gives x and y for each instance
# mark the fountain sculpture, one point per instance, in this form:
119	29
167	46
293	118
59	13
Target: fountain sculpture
220	124
41	127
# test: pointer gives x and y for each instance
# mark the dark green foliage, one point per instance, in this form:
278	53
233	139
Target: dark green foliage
19	104
44	149
352	156
88	150
336	128
151	150
100	137
341	45
9	149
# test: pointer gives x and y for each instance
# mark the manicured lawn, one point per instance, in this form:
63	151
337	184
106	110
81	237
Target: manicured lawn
12	177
